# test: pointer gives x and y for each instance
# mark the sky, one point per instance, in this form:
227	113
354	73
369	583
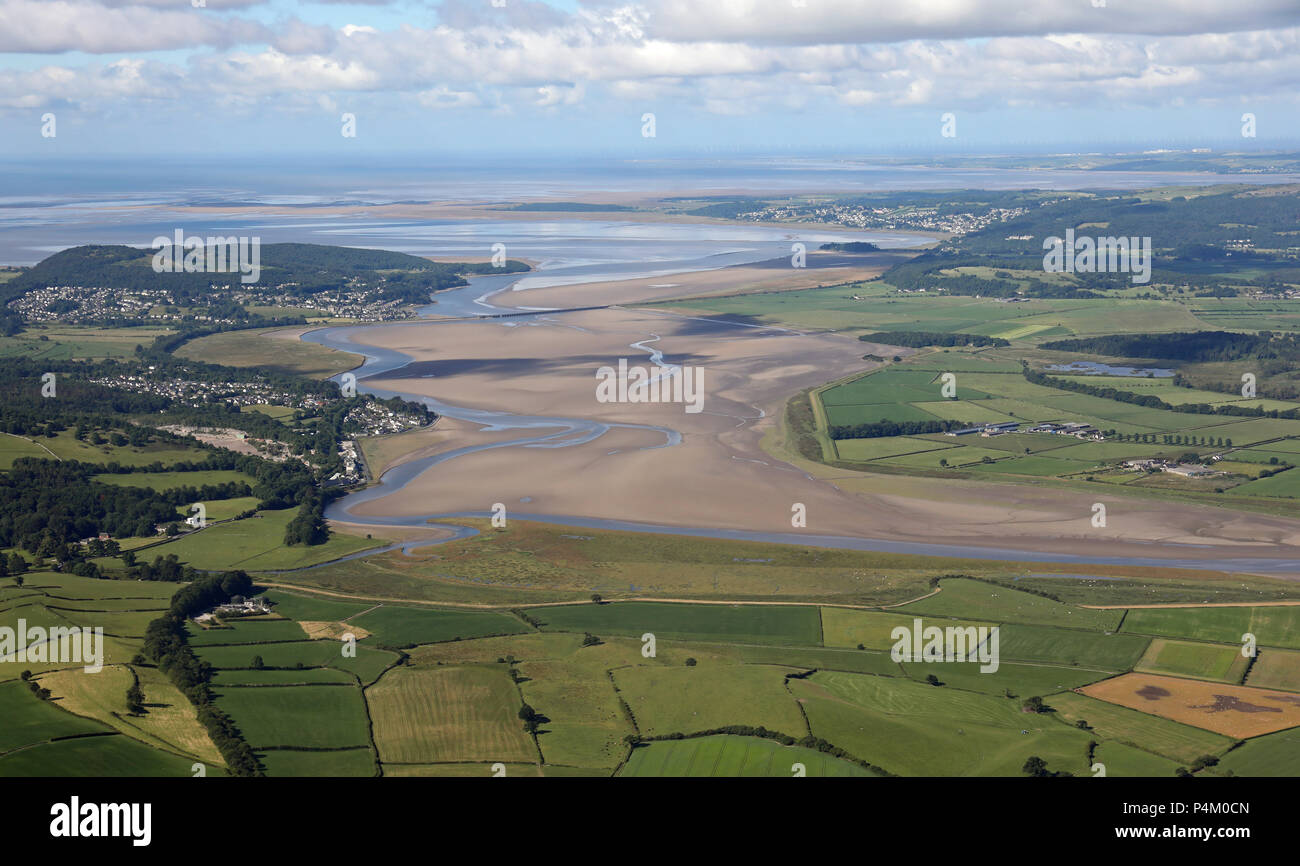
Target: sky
582	76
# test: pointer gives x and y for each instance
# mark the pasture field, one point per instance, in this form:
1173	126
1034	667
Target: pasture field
529	563
301	606
306	676
570	684
1114	723
1234	711
171	480
340	762
257	544
426	715
60	342
960	598
1271	755
315	717
1277	626
833	308
170	721
112	755
909	390
1275	669
38	738
769	624
1021	680
29	720
279	413
732	756
408	626
1124	761
468	770
1284	484
845	627
912	729
1200	660
891	446
308	653
367	666
225	509
257	348
688	700
829	658
65	446
1089	649
245	631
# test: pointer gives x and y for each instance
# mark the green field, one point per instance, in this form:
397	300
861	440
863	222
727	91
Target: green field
427	715
1172	740
1124	761
407	626
844	627
317	717
368	664
262	349
1200	660
991	389
66	446
910	728
733	756
689	700
1275	669
246	631
984	601
314	608
342	762
307	676
60	342
1272	755
671	621
1098	650
40	739
171	480
257	544
111	756
1271	626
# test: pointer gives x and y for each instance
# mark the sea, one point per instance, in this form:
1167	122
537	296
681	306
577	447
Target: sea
53	203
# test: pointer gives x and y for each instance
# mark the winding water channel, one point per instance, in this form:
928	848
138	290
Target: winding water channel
538	431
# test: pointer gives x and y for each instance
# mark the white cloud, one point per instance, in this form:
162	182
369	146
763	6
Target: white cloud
53	26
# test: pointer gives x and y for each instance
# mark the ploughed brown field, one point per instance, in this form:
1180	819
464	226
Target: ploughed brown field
1235	711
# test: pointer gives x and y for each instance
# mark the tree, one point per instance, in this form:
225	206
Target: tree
690	662
135	700
1035	766
932	680
257	663
590	639
1034	705
595	598
530	718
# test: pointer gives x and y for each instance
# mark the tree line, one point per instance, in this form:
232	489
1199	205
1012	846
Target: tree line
166	645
